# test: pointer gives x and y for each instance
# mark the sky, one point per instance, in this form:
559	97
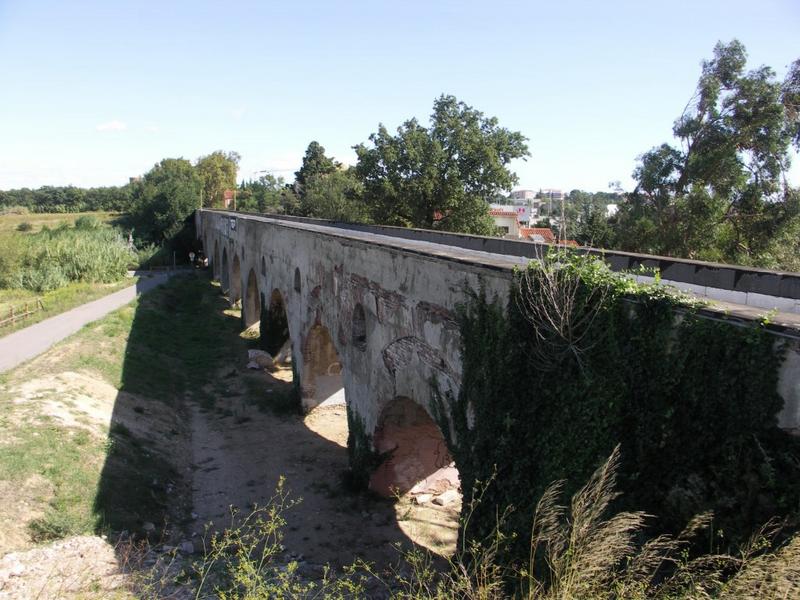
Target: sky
92	93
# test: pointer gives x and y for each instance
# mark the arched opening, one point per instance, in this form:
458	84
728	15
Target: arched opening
251	309
215	265
297	280
275	328
322	371
359	328
224	274
418	461
235	290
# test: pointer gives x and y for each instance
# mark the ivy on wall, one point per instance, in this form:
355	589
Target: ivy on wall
547	393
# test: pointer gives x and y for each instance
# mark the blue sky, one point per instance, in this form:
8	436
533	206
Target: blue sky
94	92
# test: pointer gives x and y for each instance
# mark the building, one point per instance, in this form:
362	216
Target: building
541	235
523	196
229	199
505	219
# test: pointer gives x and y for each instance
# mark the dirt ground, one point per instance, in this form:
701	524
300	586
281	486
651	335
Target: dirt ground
235	456
240	452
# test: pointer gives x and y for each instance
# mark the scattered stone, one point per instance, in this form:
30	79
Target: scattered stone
423	498
284	355
260	358
446	498
147	526
187	547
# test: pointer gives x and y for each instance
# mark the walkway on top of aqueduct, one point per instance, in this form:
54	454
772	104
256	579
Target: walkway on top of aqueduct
370	310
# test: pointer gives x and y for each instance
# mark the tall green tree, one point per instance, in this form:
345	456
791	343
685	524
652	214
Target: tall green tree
168	195
315	163
442	176
720	193
217	172
336	196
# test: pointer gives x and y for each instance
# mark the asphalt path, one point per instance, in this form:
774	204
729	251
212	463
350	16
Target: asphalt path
27	343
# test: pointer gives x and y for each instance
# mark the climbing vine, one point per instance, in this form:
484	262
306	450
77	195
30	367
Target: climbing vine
691	401
363	458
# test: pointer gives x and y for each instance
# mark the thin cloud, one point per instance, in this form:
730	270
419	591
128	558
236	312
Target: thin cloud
112	126
152	128
238	113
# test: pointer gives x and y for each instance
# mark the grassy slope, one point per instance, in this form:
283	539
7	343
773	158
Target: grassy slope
158	351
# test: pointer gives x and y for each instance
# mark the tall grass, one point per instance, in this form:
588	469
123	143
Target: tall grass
50	259
577	553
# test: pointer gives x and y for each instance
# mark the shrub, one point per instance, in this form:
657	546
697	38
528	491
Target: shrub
53	258
88	222
24	226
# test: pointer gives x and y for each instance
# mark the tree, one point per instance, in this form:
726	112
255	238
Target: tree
217	173
721	194
335	196
442	176
169	193
315	163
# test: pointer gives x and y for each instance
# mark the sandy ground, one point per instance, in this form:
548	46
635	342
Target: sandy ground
236	455
239	458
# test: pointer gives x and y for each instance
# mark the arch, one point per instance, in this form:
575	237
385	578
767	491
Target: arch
215	258
418	459
251	307
235	290
359	328
297	280
322	380
224	273
275	328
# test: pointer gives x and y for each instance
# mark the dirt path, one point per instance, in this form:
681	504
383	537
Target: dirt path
240	452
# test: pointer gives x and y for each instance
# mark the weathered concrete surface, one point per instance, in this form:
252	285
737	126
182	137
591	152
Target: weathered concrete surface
377	311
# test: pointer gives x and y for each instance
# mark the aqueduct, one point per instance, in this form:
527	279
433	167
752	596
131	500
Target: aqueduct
370	315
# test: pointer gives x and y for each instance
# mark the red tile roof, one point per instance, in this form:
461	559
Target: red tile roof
498	212
544	232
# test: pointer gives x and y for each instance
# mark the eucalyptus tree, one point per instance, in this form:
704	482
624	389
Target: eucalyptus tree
720	192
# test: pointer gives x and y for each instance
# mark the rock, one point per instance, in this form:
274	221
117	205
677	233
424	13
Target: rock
194	515
423	498
446	498
284	355
187	547
254	365
147	527
260	358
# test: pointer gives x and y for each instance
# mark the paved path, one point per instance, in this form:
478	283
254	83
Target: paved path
24	344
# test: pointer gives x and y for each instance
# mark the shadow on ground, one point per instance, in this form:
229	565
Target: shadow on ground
194	434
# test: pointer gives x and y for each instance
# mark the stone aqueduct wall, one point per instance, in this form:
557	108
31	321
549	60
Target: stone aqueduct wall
407	296
407	300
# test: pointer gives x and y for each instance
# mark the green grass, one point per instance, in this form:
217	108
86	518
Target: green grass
69	460
163	348
55	302
10	222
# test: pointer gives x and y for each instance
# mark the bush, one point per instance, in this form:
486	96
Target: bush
87	222
24	226
51	259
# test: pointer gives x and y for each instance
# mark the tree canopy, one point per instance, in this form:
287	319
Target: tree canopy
315	163
168	194
442	176
217	173
721	192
